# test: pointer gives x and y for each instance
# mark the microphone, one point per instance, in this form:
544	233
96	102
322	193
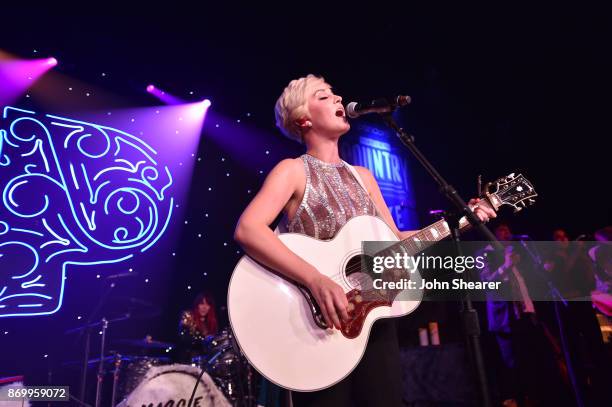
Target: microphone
382	105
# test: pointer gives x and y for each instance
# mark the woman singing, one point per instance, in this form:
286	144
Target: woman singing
318	194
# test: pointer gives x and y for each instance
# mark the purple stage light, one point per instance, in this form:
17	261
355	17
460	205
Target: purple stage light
17	75
196	112
164	96
174	129
52	61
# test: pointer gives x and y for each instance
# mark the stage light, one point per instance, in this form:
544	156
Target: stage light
18	75
197	111
165	97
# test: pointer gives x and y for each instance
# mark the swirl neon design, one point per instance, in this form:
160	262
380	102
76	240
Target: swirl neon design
74	194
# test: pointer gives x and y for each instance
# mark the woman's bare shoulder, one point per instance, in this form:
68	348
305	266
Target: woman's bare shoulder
362	170
365	175
289	168
290	164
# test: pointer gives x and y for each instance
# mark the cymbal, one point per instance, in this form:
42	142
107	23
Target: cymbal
146	343
110	360
107	359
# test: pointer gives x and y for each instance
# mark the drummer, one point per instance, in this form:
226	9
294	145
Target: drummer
195	325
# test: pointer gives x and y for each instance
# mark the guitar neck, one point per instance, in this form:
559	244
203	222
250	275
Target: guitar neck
431	234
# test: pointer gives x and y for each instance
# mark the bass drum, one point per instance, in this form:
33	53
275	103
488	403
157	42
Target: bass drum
134	369
172	386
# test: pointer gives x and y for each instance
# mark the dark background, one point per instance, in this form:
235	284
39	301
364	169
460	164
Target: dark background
494	90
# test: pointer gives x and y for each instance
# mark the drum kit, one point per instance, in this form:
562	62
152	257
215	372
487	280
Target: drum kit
142	373
222	360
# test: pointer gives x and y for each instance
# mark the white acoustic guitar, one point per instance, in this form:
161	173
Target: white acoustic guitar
277	323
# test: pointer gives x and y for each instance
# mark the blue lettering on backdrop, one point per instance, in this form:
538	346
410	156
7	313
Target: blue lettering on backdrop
371	148
73	194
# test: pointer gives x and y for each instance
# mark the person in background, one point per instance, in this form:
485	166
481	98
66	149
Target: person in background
529	373
195	325
571	270
570	267
601	256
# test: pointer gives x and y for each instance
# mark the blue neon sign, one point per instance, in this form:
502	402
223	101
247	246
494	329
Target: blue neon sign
73	194
372	148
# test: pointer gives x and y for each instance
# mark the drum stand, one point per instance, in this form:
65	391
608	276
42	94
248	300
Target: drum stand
100	376
115	378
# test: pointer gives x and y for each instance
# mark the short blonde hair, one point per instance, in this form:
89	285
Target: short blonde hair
291	106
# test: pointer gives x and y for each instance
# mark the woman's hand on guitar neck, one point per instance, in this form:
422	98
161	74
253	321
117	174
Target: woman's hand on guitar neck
331	299
484	212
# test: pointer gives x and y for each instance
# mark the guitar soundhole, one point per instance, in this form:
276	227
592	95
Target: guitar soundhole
356	272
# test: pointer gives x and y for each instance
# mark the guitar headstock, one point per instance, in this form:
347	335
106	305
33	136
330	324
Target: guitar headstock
513	190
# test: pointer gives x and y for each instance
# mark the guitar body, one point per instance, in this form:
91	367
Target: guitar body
272	318
274	321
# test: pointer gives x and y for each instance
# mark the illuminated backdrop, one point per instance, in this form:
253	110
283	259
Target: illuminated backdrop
73	194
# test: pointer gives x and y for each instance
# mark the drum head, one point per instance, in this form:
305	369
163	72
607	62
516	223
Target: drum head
134	370
172	386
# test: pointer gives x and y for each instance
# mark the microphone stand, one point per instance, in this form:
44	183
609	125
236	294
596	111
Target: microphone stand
468	312
557	298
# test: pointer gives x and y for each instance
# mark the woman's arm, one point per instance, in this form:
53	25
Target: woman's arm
379	201
483	213
259	241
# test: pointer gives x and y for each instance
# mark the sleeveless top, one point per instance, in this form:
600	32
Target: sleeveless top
331	198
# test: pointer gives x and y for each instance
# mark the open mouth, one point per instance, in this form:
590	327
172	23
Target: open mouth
340	112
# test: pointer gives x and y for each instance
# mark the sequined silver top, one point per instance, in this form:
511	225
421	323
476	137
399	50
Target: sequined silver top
332	196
